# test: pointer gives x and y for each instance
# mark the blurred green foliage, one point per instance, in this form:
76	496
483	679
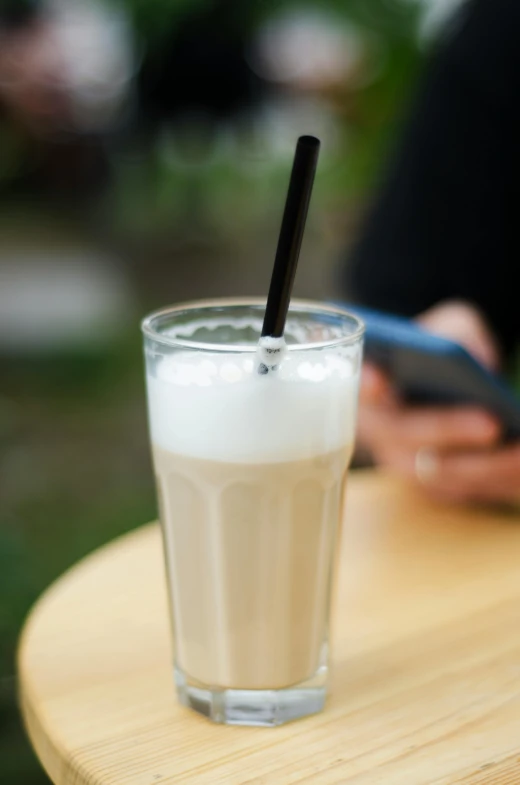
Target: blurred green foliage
76	474
396	18
152	17
366	127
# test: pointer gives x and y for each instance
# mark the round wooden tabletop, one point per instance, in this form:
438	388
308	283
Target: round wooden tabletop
426	684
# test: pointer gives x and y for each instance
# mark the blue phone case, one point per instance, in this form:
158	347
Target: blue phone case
429	369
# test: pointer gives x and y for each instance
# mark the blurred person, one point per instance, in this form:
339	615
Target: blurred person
197	74
65	67
441	245
310	50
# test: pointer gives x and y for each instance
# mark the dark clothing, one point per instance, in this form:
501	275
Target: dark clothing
17	13
199	68
445	224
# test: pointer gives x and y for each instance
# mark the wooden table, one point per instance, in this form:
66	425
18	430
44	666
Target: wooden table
427	663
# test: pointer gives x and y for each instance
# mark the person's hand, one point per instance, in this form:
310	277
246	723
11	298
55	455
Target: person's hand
455	452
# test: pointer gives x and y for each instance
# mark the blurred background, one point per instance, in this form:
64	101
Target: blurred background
145	149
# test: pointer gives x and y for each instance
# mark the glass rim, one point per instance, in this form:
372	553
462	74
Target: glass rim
301	305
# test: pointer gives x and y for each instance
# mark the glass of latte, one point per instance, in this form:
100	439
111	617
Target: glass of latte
251	469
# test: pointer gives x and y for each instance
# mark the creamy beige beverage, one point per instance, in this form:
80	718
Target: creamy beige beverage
250	472
249	548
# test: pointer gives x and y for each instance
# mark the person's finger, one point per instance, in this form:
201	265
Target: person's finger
375	386
464	323
479	476
446	428
428	427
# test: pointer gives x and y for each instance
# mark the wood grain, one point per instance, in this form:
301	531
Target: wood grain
426	685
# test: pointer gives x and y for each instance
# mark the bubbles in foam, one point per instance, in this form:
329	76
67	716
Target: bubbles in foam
186	368
208	368
313	372
231	372
221	409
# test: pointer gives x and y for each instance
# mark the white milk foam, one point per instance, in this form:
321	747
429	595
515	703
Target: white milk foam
219	408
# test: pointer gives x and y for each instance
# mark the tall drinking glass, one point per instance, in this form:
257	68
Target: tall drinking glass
251	471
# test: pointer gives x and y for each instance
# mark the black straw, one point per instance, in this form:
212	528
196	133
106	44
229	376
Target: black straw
291	235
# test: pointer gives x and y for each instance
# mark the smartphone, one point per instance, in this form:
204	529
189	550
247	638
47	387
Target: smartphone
426	368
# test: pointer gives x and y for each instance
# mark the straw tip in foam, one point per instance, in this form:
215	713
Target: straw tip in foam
270	350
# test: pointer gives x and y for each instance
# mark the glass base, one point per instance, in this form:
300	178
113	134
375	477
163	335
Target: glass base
254	707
